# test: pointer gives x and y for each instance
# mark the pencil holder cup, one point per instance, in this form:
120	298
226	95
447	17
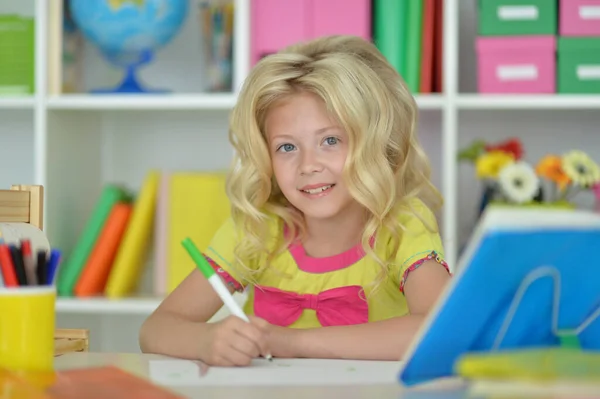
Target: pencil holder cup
27	325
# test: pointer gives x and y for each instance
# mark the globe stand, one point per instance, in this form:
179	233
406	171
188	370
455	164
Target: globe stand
130	83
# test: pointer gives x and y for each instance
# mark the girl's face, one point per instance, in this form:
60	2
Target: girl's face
308	151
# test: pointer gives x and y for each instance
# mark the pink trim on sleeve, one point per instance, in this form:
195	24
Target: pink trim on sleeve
433	255
225	276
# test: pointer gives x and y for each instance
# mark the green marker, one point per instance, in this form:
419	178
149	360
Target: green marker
214	280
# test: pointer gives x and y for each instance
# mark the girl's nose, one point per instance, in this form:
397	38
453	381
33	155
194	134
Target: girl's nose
310	163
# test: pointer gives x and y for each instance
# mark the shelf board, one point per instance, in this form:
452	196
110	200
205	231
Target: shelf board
430	101
106	306
168	102
22	102
527	101
212	101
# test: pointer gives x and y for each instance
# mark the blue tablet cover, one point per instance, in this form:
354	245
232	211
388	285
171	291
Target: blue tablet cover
509	249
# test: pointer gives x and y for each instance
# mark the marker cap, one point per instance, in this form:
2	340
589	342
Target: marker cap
198	258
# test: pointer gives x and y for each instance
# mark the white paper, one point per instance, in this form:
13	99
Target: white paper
278	372
589	12
520	13
588	72
517	72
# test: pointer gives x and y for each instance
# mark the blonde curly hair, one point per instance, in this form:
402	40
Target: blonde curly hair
385	168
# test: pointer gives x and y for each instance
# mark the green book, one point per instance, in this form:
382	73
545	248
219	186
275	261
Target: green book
413	45
71	269
389	31
17	56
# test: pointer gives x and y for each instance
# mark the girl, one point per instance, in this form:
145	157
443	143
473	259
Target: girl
332	229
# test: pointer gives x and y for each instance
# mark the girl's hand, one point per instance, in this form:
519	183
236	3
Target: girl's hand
234	342
283	341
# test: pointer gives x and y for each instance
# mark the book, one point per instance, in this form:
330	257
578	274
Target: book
427	47
71	269
414	23
91	382
390	33
197	207
160	235
438	47
520	284
134	248
98	266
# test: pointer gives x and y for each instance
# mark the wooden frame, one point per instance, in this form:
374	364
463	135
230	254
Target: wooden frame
23	204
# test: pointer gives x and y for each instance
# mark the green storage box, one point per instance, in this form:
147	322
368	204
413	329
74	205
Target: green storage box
16	55
578	65
517	17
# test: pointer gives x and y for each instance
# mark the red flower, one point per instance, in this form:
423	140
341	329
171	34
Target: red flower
511	146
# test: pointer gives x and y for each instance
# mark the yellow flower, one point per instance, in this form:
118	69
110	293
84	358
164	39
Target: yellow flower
488	165
582	170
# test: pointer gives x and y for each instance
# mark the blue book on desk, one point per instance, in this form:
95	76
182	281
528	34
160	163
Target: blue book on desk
528	278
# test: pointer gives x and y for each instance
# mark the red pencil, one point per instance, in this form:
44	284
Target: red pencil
7	267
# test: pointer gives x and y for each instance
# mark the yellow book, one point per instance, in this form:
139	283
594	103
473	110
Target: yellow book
127	267
198	205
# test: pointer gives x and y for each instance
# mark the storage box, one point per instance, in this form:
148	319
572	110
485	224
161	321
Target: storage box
579	65
579	18
522	64
275	24
517	17
341	17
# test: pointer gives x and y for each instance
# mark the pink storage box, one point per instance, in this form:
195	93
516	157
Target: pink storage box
278	23
579	18
516	64
341	17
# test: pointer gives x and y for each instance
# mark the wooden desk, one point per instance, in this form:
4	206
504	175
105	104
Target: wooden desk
139	365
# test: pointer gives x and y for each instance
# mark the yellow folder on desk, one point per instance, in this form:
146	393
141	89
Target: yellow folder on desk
197	207
532	365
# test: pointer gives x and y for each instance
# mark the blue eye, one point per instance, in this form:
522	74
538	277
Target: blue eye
331	140
286	147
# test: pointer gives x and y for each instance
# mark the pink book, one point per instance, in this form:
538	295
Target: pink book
160	235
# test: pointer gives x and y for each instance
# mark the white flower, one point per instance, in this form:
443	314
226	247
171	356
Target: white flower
519	182
581	168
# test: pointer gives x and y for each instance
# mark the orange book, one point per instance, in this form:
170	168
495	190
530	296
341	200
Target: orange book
97	269
426	84
105	382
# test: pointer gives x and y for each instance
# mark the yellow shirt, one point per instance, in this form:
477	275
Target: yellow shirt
303	292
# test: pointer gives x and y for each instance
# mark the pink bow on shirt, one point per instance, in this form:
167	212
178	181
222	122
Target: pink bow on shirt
334	307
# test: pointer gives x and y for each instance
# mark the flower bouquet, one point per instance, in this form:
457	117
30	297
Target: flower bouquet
509	179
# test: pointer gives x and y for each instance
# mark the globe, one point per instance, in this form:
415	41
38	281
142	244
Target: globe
129	32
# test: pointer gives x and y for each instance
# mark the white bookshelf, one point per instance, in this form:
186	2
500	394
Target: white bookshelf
73	144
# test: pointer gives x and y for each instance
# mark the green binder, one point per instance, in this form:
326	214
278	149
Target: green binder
389	31
413	45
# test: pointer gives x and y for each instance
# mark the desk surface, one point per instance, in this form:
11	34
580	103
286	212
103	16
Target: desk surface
371	380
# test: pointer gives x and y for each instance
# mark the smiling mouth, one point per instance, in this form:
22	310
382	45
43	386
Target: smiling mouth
317	190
